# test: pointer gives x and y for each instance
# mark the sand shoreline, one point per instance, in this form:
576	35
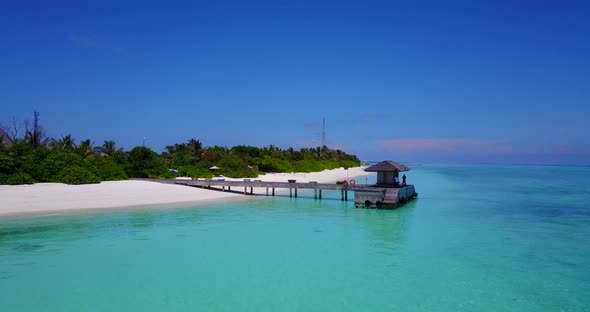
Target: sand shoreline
57	198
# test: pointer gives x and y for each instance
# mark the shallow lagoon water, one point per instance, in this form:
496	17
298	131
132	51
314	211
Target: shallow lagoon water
478	238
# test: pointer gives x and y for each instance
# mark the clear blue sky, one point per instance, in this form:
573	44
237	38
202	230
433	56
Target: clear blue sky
460	82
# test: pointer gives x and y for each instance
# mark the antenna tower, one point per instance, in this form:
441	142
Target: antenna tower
324	133
36	124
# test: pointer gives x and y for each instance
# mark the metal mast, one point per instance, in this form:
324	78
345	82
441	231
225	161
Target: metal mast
36	124
324	133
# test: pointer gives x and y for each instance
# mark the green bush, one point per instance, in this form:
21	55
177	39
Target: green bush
348	163
56	162
157	174
16	178
157	168
234	167
144	162
77	175
107	168
91	167
31	164
7	165
194	172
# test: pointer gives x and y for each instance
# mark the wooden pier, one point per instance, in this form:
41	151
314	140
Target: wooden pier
365	196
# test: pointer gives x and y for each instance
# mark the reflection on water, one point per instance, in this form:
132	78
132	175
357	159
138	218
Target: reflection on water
385	230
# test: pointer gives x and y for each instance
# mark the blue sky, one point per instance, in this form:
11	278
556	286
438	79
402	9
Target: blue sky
423	81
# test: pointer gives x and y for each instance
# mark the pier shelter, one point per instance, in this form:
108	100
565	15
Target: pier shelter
388	173
387	193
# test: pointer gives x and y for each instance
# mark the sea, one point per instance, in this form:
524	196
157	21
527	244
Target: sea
477	238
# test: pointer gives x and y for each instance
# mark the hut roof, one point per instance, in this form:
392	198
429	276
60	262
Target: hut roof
388	166
5	137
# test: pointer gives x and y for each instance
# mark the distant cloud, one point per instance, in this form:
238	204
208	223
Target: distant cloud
563	150
441	145
476	146
81	40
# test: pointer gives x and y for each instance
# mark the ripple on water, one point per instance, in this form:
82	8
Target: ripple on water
26	247
141	238
7	275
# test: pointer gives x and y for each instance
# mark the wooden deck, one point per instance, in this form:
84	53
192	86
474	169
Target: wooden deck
365	196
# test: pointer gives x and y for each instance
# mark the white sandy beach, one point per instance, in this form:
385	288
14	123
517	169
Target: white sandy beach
321	177
55	197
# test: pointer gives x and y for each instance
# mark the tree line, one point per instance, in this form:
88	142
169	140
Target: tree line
31	157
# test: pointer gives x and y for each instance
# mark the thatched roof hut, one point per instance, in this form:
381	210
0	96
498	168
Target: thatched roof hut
4	138
388	173
387	166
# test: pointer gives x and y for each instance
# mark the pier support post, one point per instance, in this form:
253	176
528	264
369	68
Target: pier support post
273	191
346	195
315	193
223	188
290	192
251	190
342	195
245	190
320	194
295	192
229	188
266	191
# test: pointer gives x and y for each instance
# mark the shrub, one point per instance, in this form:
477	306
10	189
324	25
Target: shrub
157	174
107	168
56	162
16	178
234	167
77	175
144	162
157	167
31	164
7	164
194	172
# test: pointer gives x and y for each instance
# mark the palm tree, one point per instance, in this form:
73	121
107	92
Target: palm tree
195	148
109	148
65	144
171	149
85	148
36	138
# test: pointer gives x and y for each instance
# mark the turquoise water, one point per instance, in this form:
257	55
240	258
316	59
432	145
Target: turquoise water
479	238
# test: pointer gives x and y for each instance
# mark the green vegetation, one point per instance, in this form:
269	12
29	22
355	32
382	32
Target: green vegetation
143	163
192	160
35	158
107	168
77	175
